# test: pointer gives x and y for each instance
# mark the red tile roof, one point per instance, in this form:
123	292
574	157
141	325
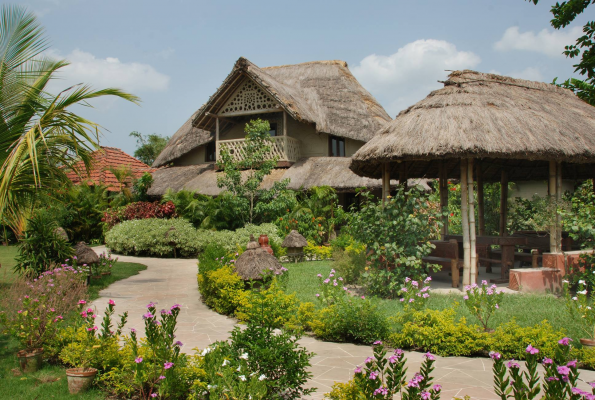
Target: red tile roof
103	159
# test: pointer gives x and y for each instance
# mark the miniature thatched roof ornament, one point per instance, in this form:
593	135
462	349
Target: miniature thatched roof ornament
256	262
295	243
85	254
61	233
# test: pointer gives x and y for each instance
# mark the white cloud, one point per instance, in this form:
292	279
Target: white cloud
106	72
529	73
407	76
550	43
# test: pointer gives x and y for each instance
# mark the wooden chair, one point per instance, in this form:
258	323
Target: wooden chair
446	254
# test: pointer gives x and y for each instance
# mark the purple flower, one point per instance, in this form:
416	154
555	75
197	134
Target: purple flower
168	365
466	297
373	375
151	304
132	330
565	341
548	361
512	364
563	370
429	356
138	360
358	369
326	281
377	342
571	364
494	355
153	394
175	307
531	350
425	295
147	315
393	359
425	395
381	390
317	294
437	388
178	343
162	377
369	360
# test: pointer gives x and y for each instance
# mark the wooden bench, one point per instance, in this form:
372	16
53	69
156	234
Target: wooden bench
532	258
446	254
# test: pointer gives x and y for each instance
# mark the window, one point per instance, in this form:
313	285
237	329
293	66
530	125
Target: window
211	151
273	131
336	146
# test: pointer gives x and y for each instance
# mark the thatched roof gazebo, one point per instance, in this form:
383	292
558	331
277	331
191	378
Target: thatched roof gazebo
256	262
486	127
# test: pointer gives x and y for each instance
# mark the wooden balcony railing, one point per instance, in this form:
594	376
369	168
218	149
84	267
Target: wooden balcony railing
284	147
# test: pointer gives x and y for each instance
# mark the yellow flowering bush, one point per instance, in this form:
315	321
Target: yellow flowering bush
221	289
270	304
315	252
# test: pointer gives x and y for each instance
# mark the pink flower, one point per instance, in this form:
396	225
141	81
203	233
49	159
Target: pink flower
168	365
20	311
378	342
563	370
178	343
363	297
497	306
319	275
153	394
381	390
162	377
425	395
369	360
466	297
437	388
138	360
111	302
92	329
571	364
147	315
494	355
82	302
373	375
429	356
326	281
317	295
565	341
531	350
512	364
358	369
548	361
151	304
175	307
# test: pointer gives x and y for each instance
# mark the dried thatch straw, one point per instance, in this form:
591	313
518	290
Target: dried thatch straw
294	239
256	262
61	232
487	116
322	93
85	254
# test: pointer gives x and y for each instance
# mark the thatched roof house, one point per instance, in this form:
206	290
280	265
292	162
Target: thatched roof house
509	123
318	112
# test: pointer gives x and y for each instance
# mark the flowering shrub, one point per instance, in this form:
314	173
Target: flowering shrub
349	262
230	240
415	294
581	307
221	289
154	237
33	309
317	252
383	377
90	346
331	289
139	210
274	359
482	301
269	307
559	382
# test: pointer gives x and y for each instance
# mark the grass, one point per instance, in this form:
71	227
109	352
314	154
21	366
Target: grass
526	309
49	382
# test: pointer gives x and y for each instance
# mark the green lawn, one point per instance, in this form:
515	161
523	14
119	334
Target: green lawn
526	309
50	381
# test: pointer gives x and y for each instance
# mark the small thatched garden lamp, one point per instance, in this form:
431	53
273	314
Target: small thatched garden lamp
295	243
255	263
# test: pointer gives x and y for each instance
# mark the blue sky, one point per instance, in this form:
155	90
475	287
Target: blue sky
175	53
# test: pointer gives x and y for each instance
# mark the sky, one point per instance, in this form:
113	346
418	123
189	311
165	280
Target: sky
174	54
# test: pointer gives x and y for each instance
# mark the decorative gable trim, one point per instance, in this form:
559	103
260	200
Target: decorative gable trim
249	97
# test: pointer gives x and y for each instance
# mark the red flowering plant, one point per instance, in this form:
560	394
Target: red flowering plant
32	310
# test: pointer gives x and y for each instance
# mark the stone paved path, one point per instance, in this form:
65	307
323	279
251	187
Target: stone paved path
170	281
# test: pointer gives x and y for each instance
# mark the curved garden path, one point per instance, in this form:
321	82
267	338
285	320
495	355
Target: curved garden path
169	281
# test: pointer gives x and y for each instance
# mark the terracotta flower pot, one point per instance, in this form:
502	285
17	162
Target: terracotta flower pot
79	379
588	342
263	240
30	361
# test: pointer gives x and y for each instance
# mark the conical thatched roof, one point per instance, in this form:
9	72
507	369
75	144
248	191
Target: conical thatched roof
323	93
487	116
256	262
85	254
294	239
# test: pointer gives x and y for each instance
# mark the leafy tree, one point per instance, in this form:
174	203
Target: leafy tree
141	186
149	146
564	13
243	177
39	135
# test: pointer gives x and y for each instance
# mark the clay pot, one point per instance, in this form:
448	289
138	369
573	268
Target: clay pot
30	361
263	241
79	379
588	342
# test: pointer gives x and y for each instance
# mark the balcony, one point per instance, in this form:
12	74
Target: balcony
286	148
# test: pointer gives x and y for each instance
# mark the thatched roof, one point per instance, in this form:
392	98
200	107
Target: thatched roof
323	93
256	262
514	124
184	140
85	255
305	174
294	239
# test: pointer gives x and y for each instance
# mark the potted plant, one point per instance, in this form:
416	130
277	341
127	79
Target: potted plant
87	350
581	307
32	325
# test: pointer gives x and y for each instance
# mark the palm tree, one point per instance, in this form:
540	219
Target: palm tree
39	137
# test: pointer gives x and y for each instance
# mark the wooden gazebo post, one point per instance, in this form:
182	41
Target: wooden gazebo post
465	225
555	193
385	181
472	233
480	199
443	189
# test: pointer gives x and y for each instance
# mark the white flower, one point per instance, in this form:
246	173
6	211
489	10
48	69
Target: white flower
244	356
575	298
239	368
242	378
582	292
581	281
565	281
211	387
225	362
206	351
262	377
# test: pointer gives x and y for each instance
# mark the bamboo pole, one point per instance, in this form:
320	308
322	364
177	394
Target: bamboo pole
558	201
403	175
443	189
503	202
216	139
385	181
480	200
465	225
284	123
472	234
552	195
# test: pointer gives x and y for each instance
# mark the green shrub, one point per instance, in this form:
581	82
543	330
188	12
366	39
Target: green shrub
344	391
230	240
349	263
439	333
221	289
153	237
352	320
208	259
269	307
315	252
511	340
41	248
